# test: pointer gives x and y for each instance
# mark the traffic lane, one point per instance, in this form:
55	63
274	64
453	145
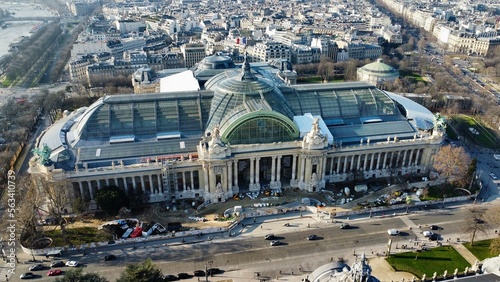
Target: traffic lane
370	236
189	257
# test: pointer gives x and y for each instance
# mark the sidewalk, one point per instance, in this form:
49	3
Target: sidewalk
465	253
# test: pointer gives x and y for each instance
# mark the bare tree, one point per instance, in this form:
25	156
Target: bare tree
493	217
57	195
27	215
474	223
452	163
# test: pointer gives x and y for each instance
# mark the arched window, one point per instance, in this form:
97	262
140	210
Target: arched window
262	129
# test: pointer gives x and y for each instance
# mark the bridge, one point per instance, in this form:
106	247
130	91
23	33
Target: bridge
26	19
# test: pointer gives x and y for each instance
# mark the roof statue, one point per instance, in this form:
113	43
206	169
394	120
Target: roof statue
43	155
439	122
216	147
314	139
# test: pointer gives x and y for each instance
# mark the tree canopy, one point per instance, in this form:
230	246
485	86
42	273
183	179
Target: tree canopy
77	275
111	199
452	163
141	272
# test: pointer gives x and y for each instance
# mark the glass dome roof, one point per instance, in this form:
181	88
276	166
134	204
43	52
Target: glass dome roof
238	93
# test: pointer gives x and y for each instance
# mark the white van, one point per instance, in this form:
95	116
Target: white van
497	157
393	232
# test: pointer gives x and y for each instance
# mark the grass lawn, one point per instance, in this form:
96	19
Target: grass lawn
451	133
309	79
481	249
416	78
78	236
485	137
434	260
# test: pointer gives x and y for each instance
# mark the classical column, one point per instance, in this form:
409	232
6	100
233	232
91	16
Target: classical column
352	163
404	158
160	185
372	161
183	181
294	166
323	168
302	169
192	180
332	159
417	157
391	159
257	170
125	184
80	185
278	169
378	160
273	169
365	162
410	158
338	165
99	184
134	184
385	160
235	173
91	191
252	171
143	186
358	166
345	164
205	177
229	175
107	181
151	186
211	179
397	158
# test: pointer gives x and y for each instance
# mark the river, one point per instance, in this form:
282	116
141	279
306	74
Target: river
15	30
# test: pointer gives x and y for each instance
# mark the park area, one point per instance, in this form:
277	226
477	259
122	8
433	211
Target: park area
429	261
475	132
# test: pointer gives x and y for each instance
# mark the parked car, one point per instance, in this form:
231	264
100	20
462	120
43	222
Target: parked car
27	275
269	237
393	232
345	226
275	243
199	273
170	277
435	227
72	263
213	271
434	237
109	257
492	175
183	275
57	263
428	233
36	267
312	237
54	272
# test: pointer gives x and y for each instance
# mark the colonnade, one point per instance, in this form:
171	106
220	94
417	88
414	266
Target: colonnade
220	180
374	161
149	183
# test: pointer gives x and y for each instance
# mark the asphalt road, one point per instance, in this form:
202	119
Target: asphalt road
250	251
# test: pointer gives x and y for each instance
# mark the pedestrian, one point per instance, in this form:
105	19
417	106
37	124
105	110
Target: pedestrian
261	227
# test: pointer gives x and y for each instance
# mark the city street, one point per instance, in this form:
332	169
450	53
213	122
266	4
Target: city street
247	252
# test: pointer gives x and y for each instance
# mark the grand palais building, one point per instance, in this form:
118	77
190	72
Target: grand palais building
245	129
